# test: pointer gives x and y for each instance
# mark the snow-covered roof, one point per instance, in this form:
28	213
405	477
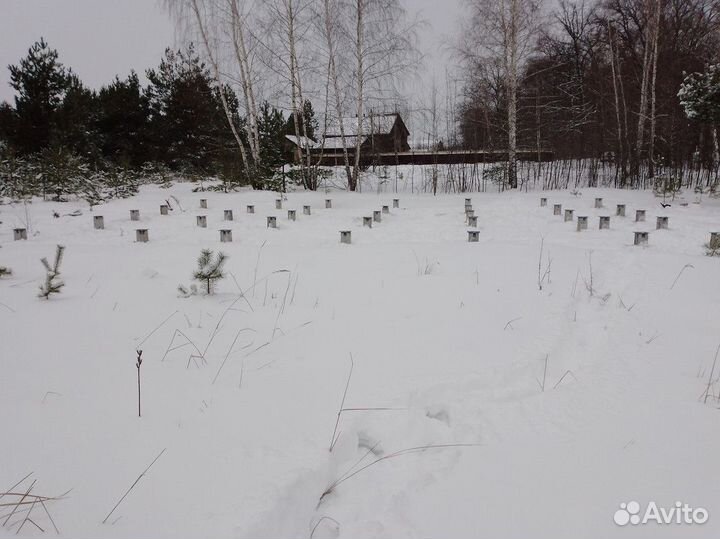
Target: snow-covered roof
301	142
377	124
335	143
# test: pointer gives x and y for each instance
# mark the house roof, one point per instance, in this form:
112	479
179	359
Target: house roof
376	124
336	142
301	142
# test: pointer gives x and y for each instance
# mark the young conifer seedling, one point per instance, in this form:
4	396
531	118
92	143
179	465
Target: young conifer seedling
53	284
210	269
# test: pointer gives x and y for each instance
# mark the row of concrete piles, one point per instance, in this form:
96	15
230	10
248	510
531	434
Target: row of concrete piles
368	220
471	220
641	237
142	234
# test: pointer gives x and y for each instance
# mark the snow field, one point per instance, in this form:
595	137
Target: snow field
449	338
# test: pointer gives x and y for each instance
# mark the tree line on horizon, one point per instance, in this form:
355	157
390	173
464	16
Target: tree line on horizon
632	82
60	137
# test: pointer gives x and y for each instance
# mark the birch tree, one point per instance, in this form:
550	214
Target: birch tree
220	25
502	32
383	41
331	28
289	52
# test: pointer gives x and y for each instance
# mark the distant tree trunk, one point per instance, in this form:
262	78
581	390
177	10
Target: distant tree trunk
245	80
359	53
619	159
218	81
651	149
512	85
329	36
651	31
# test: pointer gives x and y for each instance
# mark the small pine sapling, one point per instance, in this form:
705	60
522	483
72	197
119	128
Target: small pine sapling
52	284
5	271
210	269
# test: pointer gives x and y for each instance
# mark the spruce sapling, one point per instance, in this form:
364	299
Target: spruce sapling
210	269
52	284
5	271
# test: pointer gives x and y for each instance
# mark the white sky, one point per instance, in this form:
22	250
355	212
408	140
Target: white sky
103	38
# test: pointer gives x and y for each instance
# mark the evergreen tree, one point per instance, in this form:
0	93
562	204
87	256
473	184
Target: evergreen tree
307	121
186	113
700	98
74	124
122	122
210	269
8	121
271	128
52	284
40	81
700	95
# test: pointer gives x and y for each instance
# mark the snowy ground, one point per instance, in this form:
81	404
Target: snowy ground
451	336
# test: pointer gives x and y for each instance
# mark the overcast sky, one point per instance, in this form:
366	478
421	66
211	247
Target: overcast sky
103	38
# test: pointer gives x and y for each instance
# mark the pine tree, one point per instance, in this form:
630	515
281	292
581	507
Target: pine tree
5	271
210	269
74	124
307	121
700	98
52	284
123	122
186	114
40	81
271	127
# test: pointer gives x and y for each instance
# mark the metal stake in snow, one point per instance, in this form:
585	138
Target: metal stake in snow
641	238
138	364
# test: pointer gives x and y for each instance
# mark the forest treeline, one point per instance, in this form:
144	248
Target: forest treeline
60	137
631	82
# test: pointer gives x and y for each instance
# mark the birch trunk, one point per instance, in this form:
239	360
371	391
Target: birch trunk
360	97
218	81
332	69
